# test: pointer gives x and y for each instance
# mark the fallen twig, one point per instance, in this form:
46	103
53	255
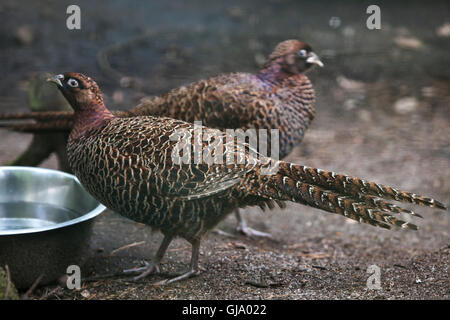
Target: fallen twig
33	286
257	284
263	284
318	267
134	244
8	283
314	255
50	293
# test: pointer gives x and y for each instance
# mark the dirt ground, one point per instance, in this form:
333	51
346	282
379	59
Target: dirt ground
383	113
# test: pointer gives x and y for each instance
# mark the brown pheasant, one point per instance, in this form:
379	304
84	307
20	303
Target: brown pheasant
280	96
133	166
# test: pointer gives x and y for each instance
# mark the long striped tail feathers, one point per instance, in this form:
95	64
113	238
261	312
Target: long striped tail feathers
351	197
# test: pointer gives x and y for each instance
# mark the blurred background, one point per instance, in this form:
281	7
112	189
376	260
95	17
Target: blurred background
383	112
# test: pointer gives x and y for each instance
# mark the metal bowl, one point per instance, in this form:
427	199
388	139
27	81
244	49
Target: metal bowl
45	223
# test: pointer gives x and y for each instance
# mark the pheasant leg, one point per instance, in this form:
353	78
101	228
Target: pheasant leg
194	269
246	230
152	267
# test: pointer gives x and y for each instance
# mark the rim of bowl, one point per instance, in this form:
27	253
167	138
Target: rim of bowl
91	214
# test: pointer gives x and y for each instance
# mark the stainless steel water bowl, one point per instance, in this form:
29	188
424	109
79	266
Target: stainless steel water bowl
45	223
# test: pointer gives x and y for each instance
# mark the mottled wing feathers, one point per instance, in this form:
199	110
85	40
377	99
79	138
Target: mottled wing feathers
142	149
214	102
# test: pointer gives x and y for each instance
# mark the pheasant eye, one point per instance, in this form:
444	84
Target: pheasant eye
72	82
302	53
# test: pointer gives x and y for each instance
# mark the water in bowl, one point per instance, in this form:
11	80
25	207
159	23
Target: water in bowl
26	215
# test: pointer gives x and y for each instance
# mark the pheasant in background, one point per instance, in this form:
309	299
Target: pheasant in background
130	165
280	96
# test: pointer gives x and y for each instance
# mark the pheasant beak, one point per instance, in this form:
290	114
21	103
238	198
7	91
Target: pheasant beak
314	59
56	79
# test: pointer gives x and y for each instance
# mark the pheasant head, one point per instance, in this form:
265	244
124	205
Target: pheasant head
294	57
80	90
85	97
